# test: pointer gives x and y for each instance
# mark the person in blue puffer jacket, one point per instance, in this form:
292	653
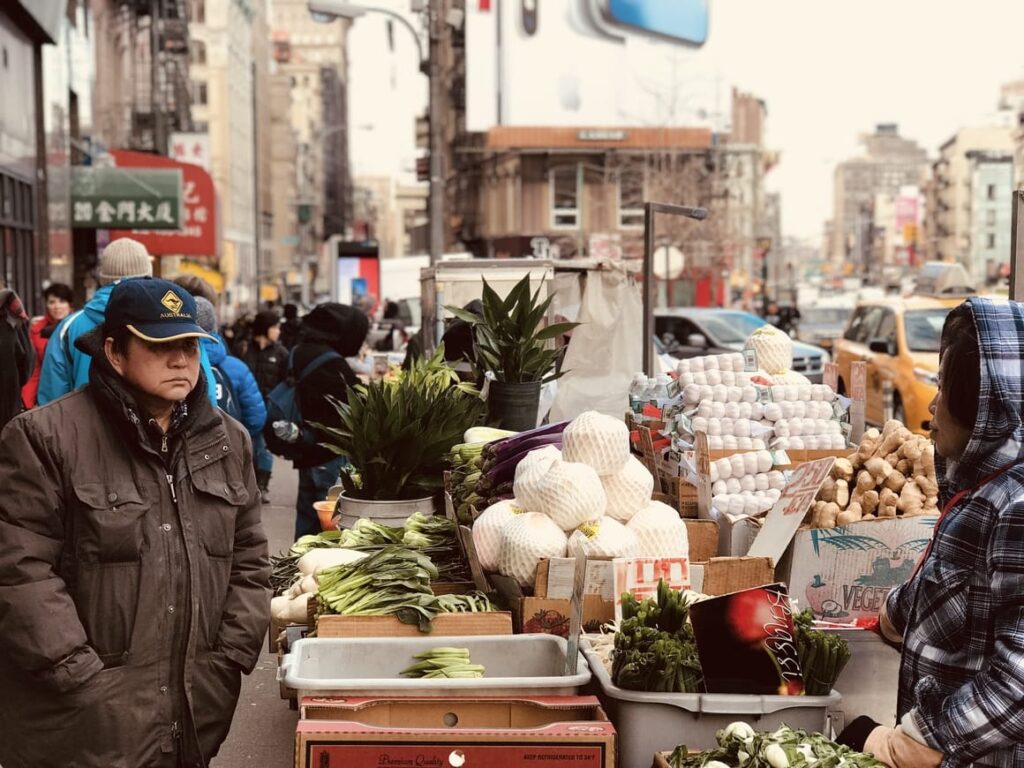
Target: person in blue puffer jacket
238	393
65	368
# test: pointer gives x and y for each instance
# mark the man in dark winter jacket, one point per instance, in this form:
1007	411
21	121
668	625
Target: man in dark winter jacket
334	328
266	356
134	573
268	360
17	359
291	327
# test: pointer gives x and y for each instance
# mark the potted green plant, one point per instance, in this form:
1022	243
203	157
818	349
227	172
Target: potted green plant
397	432
513	343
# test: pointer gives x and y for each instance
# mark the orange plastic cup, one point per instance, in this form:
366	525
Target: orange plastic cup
325	511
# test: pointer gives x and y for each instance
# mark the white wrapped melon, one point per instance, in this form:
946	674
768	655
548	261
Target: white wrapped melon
529	474
488	528
526	540
571	493
598	440
606	537
660	532
628	490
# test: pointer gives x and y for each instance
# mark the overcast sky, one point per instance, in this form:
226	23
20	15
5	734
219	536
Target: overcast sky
827	70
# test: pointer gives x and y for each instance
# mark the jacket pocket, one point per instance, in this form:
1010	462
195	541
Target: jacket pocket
107	599
109	528
943	603
220	495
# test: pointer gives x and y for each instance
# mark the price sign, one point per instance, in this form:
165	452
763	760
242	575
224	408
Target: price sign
831	378
859	382
785	517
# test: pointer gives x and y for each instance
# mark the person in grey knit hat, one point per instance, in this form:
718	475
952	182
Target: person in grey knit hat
238	394
66	368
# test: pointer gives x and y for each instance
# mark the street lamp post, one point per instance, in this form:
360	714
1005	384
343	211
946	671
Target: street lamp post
430	65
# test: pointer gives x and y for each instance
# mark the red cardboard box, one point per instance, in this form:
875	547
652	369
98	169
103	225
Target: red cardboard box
467	732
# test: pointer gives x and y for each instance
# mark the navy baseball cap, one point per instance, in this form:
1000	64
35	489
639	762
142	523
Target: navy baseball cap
154	310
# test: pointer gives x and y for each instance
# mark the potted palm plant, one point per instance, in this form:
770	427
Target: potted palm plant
397	432
513	344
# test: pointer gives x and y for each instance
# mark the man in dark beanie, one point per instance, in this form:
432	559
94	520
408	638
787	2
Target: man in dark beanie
330	328
291	327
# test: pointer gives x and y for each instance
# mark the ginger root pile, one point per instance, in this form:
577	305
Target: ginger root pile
891	474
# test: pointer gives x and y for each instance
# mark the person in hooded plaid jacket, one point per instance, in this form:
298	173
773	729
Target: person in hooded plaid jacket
960	618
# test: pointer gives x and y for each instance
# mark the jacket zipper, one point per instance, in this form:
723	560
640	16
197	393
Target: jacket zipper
163	444
170	483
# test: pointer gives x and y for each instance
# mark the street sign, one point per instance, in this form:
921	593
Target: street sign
137	198
191	148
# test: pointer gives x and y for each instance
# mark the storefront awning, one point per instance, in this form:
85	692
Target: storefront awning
126	198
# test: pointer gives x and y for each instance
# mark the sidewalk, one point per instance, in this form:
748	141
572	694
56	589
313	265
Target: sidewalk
263	731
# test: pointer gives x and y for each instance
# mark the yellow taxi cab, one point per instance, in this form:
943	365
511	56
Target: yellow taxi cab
899	340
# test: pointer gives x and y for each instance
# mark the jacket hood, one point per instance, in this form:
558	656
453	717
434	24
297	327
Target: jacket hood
215	352
339	326
997	440
96	308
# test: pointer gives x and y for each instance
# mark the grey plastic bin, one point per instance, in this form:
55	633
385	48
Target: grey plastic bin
515	665
870	680
659	722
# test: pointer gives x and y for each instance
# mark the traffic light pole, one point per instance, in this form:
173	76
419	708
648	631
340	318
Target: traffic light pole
436	213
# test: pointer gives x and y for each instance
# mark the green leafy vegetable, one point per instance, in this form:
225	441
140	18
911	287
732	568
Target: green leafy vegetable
740	745
655	649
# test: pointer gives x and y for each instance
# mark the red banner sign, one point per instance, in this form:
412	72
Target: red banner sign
198	237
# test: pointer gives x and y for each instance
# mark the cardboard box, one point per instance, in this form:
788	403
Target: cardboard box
661	760
274	633
722	575
846	573
444	625
437	733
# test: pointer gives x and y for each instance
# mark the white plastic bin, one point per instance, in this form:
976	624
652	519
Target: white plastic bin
526	665
659	722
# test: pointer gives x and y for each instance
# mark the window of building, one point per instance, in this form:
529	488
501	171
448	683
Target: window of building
197	49
631	198
199	11
991	191
990	218
565	198
199	94
990	241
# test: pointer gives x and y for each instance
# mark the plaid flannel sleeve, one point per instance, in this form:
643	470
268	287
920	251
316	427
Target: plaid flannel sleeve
987	713
897	605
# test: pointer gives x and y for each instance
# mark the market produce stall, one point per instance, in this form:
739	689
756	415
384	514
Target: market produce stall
567	528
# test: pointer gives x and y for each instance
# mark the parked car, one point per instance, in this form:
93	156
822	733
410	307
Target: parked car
899	340
822	323
696	331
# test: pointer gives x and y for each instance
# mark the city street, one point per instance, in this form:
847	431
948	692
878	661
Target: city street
263	732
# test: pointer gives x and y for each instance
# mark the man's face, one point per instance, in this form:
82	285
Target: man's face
949	437
57	308
274	333
165	372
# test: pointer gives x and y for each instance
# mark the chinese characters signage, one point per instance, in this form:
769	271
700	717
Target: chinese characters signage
197	233
136	198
